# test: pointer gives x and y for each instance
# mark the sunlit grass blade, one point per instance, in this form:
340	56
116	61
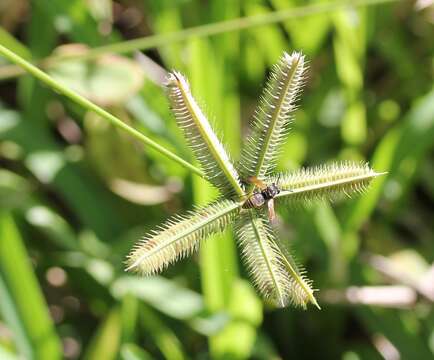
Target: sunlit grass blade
107	338
272	118
200	136
180	236
163	335
164	39
22	305
324	181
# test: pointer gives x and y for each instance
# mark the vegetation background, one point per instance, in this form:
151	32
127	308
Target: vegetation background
76	193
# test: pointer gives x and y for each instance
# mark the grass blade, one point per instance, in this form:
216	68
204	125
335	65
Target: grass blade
163	336
23	306
405	143
106	341
222	288
221	27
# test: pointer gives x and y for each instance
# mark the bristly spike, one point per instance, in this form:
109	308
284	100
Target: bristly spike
180	236
276	277
301	287
270	125
262	258
201	138
324	182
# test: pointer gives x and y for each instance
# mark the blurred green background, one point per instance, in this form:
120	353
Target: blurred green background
75	193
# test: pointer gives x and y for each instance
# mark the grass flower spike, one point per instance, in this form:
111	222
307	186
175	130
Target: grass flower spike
248	193
180	236
203	141
272	118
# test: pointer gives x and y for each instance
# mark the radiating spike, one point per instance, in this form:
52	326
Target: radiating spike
276	278
324	182
180	236
209	151
271	122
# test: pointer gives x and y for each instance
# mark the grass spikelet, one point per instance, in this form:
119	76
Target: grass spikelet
272	118
272	268
324	182
210	153
180	236
262	258
301	292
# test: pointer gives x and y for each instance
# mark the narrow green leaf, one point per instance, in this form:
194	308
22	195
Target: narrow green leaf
164	337
318	25
224	27
163	294
106	341
270	126
231	335
131	351
405	143
129	315
9	41
23	306
180	236
209	151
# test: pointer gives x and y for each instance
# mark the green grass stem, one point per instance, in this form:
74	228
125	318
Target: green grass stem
80	100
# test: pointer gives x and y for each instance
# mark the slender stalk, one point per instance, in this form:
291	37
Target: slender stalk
80	100
204	30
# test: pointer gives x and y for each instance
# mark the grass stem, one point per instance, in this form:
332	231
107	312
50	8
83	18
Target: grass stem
216	28
80	100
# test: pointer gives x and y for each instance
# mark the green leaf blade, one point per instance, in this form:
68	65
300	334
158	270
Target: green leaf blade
180	236
22	305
